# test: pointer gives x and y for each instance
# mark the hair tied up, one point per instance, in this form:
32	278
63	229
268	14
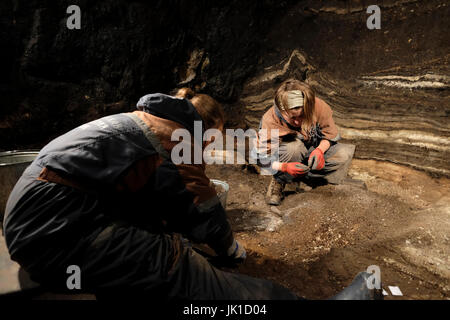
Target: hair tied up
185	93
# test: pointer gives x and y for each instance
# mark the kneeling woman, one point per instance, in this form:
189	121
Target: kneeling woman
106	197
300	134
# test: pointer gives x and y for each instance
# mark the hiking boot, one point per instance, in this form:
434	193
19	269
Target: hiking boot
275	192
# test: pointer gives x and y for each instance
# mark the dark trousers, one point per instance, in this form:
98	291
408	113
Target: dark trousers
337	161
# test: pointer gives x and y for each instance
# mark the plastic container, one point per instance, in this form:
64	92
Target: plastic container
222	189
12	165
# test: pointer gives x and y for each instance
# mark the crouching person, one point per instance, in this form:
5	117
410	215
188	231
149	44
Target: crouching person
108	198
298	141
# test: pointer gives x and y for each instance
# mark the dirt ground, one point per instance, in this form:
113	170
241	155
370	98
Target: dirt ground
318	240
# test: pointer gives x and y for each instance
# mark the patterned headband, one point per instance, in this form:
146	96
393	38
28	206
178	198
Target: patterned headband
295	99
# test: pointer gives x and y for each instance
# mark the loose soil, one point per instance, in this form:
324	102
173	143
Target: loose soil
318	240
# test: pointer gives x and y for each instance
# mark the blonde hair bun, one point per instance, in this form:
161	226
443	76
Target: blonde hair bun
185	93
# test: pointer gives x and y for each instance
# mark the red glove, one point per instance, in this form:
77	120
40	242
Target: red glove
294	168
316	160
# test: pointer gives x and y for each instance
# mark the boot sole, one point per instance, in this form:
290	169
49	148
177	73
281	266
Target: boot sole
273	203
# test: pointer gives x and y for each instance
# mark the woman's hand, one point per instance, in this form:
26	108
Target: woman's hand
316	160
294	168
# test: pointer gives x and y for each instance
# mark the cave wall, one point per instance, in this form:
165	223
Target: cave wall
389	88
55	78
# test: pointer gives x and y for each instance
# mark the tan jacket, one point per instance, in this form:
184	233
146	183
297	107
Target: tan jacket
324	119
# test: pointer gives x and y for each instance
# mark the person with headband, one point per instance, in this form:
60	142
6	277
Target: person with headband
298	141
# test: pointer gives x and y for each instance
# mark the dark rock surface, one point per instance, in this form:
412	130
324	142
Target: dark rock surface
55	78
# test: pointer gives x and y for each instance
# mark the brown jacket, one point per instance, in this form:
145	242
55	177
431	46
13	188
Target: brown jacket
270	120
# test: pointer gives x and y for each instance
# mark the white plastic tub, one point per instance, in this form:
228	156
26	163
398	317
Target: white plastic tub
12	165
222	189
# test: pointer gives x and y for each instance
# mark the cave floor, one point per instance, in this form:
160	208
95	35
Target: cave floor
318	240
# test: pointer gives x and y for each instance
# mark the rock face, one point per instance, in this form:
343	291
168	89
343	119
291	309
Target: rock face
54	78
389	88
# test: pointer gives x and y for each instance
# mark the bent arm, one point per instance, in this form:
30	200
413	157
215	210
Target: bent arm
203	218
324	145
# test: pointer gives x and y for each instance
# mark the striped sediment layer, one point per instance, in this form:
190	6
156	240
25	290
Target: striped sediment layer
394	115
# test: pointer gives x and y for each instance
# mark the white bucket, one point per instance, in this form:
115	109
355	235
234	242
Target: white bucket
12	165
223	192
